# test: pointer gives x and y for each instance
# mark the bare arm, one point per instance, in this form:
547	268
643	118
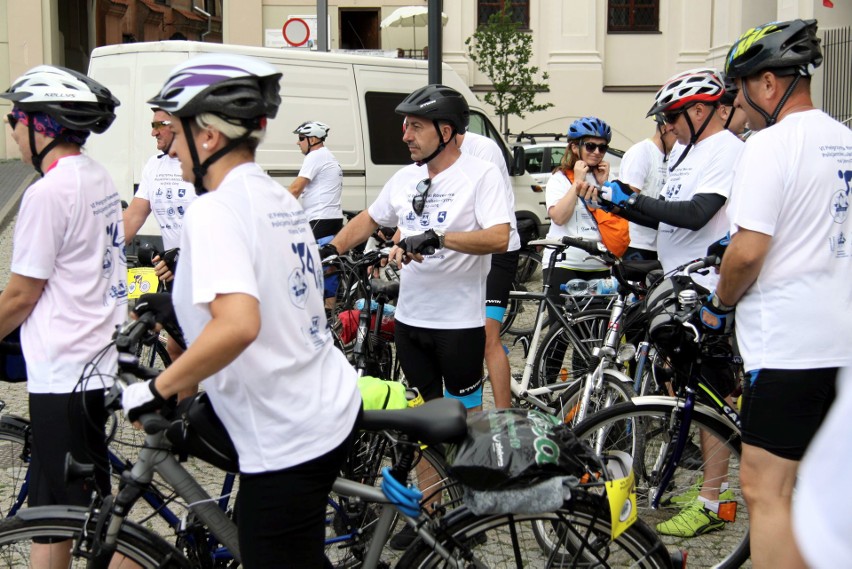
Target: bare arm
18	301
298	186
134	216
562	210
356	231
741	264
494	239
234	326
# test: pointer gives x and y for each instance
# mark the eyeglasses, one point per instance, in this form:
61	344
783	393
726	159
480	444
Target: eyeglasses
13	122
671	118
591	147
157	125
302	138
418	202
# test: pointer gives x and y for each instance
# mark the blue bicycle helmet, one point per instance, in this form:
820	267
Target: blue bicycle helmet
589	126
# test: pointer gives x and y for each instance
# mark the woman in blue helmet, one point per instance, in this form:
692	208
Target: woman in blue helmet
582	165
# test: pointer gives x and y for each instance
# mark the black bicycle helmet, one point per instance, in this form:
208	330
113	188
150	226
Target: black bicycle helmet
438	103
786	48
730	93
72	99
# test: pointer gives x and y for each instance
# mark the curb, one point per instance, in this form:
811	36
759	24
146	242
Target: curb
9	209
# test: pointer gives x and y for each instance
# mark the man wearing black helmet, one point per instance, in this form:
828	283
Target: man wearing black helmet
452	214
787	270
67	290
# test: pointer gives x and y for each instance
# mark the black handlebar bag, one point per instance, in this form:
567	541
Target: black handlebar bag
197	431
13	367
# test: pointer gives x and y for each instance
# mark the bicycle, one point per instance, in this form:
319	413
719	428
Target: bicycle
656	430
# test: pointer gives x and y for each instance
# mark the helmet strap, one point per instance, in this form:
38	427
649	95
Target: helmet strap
441	146
694	136
319	141
199	169
771	119
38	157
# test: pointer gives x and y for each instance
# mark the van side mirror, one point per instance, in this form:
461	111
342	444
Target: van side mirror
518	161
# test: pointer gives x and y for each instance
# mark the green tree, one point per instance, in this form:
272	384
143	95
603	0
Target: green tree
503	52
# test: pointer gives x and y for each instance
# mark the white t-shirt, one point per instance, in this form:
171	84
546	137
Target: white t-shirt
793	184
447	290
69	232
643	167
580	224
707	169
168	194
291	396
485	148
821	521
321	198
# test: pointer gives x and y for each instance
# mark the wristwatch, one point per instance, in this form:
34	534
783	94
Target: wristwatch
631	201
716	302
440	235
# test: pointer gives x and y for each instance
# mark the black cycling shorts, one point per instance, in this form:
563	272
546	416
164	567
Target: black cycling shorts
326	227
62	423
782	409
499	283
438	360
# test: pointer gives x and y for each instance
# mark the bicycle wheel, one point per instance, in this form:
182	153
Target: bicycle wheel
14	463
520	315
576	535
565	354
644	429
612	391
529	267
58	523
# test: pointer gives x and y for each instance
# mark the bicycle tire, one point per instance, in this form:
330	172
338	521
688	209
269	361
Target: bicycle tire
555	362
576	535
520	316
68	523
640	428
14	463
612	392
529	267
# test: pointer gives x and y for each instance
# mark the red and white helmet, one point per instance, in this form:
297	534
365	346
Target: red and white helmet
702	85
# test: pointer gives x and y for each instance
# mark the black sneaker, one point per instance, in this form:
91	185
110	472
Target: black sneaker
403	538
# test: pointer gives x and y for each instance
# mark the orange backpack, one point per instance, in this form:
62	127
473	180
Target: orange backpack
614	230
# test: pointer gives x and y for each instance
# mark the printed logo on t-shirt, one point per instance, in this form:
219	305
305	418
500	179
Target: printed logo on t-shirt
170	212
181	192
315	333
838	245
169	194
840	200
442	216
159	192
181	210
424	220
298	288
108	264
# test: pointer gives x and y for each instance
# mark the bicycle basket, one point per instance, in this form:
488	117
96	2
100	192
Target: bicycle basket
198	432
13	367
667	316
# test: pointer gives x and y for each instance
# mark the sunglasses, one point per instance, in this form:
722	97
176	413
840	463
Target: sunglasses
671	118
302	138
13	122
418	202
591	147
157	125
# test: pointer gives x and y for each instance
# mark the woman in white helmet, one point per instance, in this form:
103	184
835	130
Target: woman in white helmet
319	184
67	290
256	329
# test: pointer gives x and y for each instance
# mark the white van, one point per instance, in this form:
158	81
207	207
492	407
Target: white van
355	95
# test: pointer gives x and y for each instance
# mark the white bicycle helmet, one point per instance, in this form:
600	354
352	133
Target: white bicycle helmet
227	85
313	128
702	85
72	99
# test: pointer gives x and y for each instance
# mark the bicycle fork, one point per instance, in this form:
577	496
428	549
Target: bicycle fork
680	419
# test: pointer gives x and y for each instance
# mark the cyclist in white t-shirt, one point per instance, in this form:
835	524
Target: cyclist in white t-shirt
257	332
644	167
164	192
452	213
690	218
68	288
787	270
319	184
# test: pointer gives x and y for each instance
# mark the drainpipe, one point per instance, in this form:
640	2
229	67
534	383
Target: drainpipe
209	21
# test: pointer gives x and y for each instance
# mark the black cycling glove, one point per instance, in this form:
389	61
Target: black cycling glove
425	243
328	250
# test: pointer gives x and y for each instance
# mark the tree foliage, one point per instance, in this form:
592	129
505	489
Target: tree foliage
503	52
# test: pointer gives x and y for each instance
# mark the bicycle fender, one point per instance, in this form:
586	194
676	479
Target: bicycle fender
620	376
700	408
14	422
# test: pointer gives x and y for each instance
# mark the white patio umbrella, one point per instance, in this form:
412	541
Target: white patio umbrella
414	16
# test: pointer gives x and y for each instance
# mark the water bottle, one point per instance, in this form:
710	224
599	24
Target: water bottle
575	286
606	286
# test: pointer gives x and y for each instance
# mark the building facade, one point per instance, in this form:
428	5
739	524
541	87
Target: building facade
603	57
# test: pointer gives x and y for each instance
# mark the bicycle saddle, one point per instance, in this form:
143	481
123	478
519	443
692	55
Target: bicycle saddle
437	421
